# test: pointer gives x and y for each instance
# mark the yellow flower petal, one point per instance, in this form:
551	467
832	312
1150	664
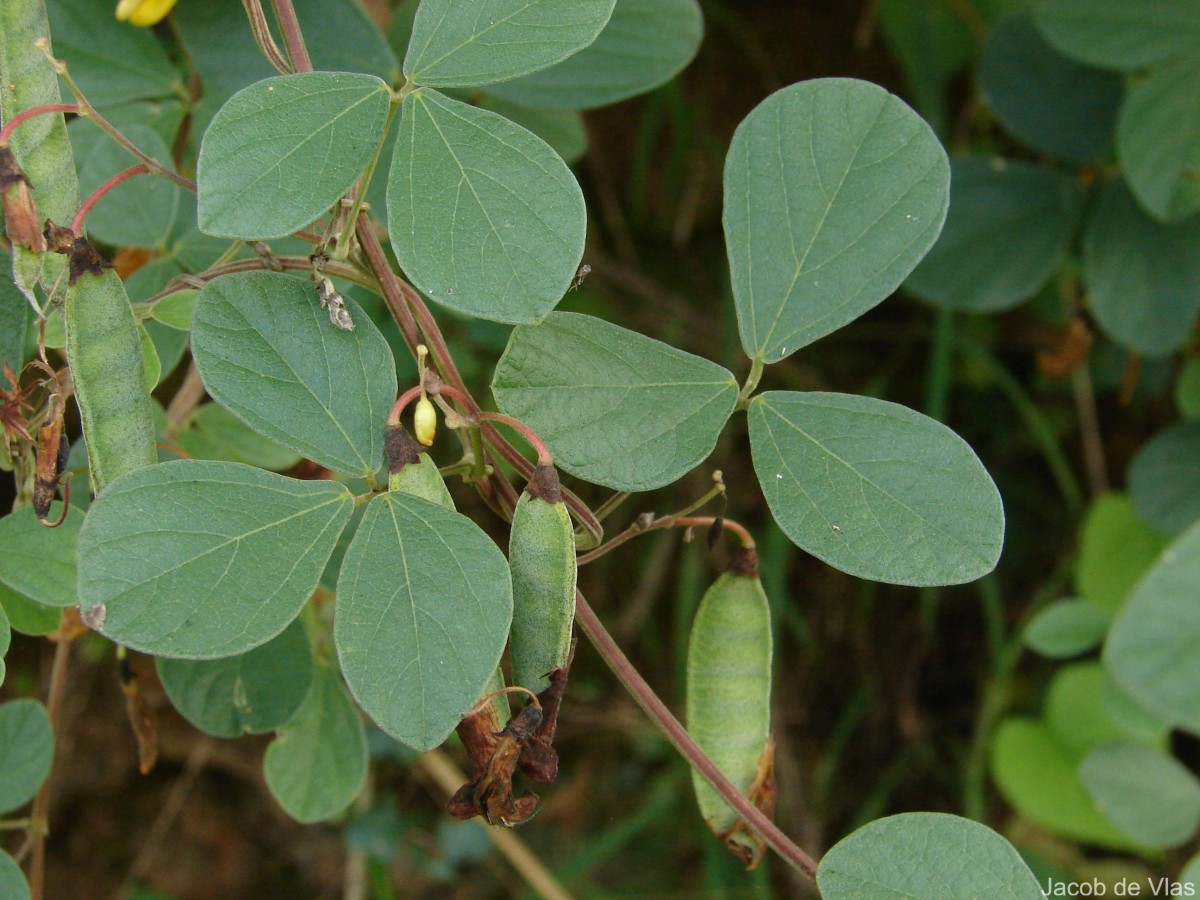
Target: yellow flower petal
143	12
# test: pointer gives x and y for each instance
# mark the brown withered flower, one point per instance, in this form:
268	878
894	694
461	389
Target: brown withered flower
21	220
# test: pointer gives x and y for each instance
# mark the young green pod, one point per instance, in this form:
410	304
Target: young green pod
729	698
411	471
105	354
541	554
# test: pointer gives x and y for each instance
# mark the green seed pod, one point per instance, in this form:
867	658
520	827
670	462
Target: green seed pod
541	554
729	697
411	471
105	354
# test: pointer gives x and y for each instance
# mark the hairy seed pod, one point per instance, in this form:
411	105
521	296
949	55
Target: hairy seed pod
729	698
541	554
104	350
411	471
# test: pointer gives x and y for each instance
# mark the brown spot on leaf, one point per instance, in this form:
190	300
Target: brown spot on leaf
85	259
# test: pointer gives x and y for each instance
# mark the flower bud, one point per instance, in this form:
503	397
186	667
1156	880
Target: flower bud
425	421
143	12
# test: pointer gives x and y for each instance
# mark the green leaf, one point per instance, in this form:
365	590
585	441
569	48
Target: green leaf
1037	774
342	38
484	216
316	766
1145	792
925	856
834	190
1143	277
875	489
1117	34
455	44
26	751
1164	480
424	606
175	310
562	129
615	407
1153	648
151	364
14	320
1158	139
251	693
212	432
1187	389
1006	233
199	560
39	562
1115	548
12	880
1076	709
931	43
268	353
1134	720
27	616
139	212
1044	99
1066	628
113	62
283	150
645	44
5	640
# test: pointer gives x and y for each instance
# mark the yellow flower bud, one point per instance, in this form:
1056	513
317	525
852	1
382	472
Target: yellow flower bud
425	421
143	12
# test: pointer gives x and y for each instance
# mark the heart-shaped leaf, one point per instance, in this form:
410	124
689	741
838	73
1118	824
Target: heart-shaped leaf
484	216
424	606
252	693
1007	231
875	489
615	407
925	856
644	44
26	751
316	766
268	353
199	560
39	562
456	44
834	190
284	149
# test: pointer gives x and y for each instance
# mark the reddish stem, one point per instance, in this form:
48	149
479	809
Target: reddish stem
543	452
393	419
292	38
728	524
682	741
77	222
23	115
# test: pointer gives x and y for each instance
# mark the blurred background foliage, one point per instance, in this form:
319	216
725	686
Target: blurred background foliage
1016	331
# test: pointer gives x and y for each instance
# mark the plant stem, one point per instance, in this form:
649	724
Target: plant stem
25	114
38	823
544	457
682	741
263	37
292	38
86	207
88	111
752	378
671	520
393	419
